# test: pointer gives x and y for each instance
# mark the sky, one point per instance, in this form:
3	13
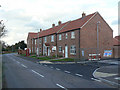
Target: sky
23	16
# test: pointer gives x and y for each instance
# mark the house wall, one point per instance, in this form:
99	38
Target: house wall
68	42
88	35
50	43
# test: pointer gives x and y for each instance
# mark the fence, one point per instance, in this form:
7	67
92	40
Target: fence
87	54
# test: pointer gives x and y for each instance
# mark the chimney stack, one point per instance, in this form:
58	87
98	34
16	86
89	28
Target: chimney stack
40	30
59	22
83	14
53	25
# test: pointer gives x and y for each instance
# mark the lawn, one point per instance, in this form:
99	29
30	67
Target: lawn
41	58
63	60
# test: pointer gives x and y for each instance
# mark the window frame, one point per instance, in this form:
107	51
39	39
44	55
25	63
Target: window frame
66	35
52	38
60	48
45	39
73	50
73	35
60	36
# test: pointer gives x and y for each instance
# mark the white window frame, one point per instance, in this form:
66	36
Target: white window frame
72	35
60	50
52	38
60	37
40	49
40	41
73	50
66	35
45	39
35	41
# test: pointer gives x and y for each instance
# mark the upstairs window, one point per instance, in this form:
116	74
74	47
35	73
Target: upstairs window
73	49
60	37
72	35
35	41
40	41
45	39
52	38
66	36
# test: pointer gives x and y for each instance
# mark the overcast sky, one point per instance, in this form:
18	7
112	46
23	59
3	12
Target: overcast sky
23	16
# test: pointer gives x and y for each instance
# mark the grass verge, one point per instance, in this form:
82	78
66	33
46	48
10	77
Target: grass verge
63	60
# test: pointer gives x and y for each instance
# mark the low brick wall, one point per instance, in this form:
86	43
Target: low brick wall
116	51
21	51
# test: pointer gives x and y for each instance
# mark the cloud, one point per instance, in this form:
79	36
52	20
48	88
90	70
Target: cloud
115	22
25	16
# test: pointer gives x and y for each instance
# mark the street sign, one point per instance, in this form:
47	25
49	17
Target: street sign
107	53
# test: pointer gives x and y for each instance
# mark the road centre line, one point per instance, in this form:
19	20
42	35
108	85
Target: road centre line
37	73
57	69
67	71
24	65
61	86
78	74
96	79
17	62
51	67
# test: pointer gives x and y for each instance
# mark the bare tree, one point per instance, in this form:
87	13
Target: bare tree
2	29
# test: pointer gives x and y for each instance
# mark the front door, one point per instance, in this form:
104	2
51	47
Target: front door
48	51
66	51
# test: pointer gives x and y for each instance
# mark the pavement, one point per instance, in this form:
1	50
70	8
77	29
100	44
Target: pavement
108	74
21	73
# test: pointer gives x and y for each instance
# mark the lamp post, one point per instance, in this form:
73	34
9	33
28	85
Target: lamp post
98	39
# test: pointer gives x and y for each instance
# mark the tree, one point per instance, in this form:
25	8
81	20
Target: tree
2	29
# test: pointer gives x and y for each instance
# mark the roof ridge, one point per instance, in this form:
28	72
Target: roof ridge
89	19
63	26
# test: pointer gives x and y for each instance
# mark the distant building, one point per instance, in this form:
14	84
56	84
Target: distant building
73	38
116	47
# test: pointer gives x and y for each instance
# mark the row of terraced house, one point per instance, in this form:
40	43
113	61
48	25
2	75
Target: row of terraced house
73	39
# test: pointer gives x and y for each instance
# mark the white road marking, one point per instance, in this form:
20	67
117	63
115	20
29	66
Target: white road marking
61	86
51	67
67	71
37	73
117	78
96	79
79	75
24	65
57	69
17	62
45	65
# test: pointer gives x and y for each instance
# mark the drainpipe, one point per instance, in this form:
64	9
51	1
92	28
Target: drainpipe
56	43
79	43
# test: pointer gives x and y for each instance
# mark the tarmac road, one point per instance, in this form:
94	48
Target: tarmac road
20	73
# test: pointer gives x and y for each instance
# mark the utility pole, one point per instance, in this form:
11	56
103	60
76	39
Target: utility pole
98	39
38	44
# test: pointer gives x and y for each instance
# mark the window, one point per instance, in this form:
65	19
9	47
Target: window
60	37
40	41
72	34
32	41
45	39
35	41
40	50
73	50
60	49
52	38
66	35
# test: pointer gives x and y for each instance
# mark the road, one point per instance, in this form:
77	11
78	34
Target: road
20	73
